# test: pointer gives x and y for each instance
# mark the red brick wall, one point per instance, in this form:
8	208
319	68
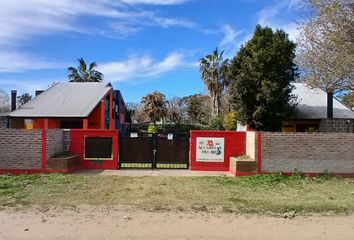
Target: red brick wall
235	145
77	146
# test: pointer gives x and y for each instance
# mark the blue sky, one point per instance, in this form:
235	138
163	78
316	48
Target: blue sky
139	45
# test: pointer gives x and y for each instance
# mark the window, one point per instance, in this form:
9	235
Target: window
98	148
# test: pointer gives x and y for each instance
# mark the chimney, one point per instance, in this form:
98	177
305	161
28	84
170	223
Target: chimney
13	100
38	92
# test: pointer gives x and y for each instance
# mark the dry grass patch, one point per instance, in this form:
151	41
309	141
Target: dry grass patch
274	194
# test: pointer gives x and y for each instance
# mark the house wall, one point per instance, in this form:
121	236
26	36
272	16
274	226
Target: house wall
3	121
77	146
307	152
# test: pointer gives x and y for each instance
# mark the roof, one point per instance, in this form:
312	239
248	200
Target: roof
312	104
64	100
4	114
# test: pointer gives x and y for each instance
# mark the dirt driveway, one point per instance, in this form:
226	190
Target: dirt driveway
114	223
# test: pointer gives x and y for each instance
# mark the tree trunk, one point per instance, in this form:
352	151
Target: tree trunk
330	105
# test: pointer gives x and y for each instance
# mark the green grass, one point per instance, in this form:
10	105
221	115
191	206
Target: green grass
265	194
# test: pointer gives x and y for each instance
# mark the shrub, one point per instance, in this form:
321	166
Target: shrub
152	128
230	121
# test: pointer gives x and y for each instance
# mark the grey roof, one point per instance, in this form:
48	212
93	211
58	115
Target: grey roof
64	100
312	104
4	114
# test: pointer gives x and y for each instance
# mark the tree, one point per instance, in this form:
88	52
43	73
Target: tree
4	102
24	98
84	74
348	100
230	121
198	109
326	47
154	106
260	76
214	74
176	110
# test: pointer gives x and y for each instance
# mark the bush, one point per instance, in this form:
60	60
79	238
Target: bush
216	123
230	121
152	128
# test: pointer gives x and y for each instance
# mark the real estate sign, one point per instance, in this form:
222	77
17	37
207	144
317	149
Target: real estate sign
210	149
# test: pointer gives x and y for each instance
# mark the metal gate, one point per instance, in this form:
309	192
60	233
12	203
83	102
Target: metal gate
169	151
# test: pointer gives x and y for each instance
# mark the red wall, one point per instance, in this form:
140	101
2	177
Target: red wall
235	145
77	146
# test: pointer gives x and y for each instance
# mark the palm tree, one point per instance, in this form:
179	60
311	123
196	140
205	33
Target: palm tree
84	74
154	106
214	74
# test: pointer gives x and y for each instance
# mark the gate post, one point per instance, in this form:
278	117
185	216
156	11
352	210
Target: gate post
154	149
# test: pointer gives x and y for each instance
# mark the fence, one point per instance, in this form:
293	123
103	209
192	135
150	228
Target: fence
28	150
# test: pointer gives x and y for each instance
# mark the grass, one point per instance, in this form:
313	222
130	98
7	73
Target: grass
264	194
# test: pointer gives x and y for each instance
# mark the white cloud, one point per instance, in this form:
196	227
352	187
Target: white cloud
143	67
276	17
17	61
155	2
230	36
21	21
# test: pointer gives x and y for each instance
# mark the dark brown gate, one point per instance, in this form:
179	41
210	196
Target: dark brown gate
169	151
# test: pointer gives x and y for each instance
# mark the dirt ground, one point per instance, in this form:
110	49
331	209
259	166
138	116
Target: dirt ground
86	222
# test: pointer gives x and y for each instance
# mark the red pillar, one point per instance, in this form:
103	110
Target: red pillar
46	123
85	123
102	114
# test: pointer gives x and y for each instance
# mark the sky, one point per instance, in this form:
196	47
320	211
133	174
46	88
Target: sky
139	45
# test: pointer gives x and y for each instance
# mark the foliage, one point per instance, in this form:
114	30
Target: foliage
230	121
214	74
84	74
152	128
24	98
4	102
154	106
326	45
216	123
177	110
348	100
260	76
198	109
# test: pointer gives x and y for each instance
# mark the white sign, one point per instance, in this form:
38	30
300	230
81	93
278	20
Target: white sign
133	135
170	136
210	149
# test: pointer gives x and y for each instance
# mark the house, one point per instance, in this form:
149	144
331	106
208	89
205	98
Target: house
71	105
311	112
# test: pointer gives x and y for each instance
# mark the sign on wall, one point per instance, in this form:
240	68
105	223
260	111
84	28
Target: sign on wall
210	149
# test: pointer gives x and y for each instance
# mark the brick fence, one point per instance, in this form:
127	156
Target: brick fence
337	125
28	150
308	152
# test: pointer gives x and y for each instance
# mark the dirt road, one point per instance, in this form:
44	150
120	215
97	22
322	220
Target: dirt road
115	223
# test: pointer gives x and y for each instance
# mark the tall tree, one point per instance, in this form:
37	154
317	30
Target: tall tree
326	47
214	74
260	76
176	110
24	98
154	106
4	102
84	73
198	109
348	100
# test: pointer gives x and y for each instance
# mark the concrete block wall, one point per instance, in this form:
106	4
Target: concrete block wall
337	125
20	149
54	142
308	152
